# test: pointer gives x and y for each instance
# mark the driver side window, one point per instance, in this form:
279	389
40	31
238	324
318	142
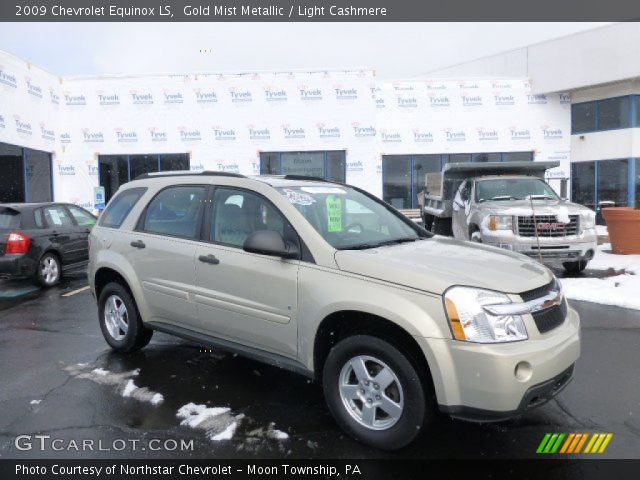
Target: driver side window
237	214
465	191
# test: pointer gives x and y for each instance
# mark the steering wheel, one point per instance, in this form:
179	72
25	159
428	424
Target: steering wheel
354	225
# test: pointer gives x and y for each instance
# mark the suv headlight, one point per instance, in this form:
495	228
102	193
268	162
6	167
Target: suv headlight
588	219
500	222
475	316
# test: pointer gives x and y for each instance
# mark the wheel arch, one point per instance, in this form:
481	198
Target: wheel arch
344	323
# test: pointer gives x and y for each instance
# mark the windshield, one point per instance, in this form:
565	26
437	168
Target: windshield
513	189
348	219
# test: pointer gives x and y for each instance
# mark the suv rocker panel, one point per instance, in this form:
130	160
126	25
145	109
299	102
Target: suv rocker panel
234	347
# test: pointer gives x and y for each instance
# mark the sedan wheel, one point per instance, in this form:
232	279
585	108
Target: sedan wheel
48	270
116	318
371	392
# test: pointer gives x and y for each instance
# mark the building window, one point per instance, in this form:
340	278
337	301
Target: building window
605	183
116	170
614	113
329	165
403	176
26	175
605	114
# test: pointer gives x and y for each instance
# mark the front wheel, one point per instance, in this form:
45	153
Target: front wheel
575	267
120	321
374	392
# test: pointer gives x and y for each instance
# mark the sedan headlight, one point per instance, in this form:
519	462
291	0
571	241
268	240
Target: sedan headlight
588	219
500	222
474	316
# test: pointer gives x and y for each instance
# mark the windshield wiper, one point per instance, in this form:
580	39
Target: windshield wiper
395	241
540	197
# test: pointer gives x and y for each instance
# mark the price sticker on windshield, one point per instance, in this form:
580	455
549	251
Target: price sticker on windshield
334	213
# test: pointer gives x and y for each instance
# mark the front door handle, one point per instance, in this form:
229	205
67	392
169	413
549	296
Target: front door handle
211	259
138	244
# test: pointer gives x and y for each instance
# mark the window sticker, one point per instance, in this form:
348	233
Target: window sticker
298	198
334	213
333	190
55	217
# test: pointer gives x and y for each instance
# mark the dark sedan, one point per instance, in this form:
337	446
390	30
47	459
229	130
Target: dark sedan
42	240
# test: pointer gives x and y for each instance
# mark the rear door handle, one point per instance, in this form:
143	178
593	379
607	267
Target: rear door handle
211	259
138	244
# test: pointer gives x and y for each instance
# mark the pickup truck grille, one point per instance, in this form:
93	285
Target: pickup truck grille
548	226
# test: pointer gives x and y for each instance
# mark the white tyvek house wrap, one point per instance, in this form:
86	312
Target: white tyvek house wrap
224	121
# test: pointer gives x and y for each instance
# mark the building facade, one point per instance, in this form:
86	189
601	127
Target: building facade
61	137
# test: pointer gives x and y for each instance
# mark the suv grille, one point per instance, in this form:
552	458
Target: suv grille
548	226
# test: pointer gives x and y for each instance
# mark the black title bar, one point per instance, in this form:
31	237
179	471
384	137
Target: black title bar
317	10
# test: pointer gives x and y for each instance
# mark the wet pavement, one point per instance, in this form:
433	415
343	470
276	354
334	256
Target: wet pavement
59	378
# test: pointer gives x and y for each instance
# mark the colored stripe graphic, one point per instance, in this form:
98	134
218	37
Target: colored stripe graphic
572	443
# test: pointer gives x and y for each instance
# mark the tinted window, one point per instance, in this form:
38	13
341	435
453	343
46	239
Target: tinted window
614	113
613	182
176	211
57	216
119	207
9	218
583	117
82	217
517	156
39	218
583	183
238	213
396	180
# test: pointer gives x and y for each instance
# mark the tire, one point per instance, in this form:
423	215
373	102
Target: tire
442	226
120	321
475	235
49	270
428	221
575	267
406	392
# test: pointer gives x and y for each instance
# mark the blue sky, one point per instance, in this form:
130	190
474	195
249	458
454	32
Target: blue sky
394	50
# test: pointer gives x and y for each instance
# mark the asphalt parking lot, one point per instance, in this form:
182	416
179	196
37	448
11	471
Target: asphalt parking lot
59	378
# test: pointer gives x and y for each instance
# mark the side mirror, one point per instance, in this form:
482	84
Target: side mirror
268	242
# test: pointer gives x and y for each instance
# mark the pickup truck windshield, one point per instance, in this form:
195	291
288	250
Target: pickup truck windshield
347	219
513	189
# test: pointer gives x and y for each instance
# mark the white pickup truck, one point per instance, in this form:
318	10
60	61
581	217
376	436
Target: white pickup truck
509	205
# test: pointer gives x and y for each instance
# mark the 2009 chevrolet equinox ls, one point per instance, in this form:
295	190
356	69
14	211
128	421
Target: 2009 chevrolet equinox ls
329	281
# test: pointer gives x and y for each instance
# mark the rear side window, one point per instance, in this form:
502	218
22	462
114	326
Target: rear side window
82	217
176	211
120	206
57	216
9	218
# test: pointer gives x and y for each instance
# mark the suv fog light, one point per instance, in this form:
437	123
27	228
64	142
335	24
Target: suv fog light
523	371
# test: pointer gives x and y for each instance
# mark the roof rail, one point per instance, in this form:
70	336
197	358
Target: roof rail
179	173
306	177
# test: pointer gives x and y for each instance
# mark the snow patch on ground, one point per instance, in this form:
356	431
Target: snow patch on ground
122	382
620	286
217	422
35	402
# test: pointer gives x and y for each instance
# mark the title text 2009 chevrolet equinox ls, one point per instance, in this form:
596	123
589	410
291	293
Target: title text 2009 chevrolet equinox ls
327	280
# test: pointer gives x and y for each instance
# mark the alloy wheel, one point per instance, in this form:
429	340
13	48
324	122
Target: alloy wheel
116	317
371	392
49	270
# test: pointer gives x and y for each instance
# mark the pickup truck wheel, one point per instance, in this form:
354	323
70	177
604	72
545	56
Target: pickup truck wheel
475	235
575	267
120	321
374	392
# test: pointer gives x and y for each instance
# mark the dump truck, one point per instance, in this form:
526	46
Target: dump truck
511	206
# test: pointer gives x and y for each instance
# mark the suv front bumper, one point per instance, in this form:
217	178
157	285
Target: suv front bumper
479	382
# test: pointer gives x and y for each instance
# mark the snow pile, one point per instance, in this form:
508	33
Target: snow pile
562	214
620	285
35	402
601	230
122	382
217	422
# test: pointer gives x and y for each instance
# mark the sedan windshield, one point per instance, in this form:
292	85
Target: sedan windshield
513	189
348	219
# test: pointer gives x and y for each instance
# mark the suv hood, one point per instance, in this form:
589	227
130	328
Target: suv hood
438	263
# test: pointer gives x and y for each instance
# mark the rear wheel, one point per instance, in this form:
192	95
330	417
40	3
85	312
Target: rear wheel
120	321
575	267
49	270
375	393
